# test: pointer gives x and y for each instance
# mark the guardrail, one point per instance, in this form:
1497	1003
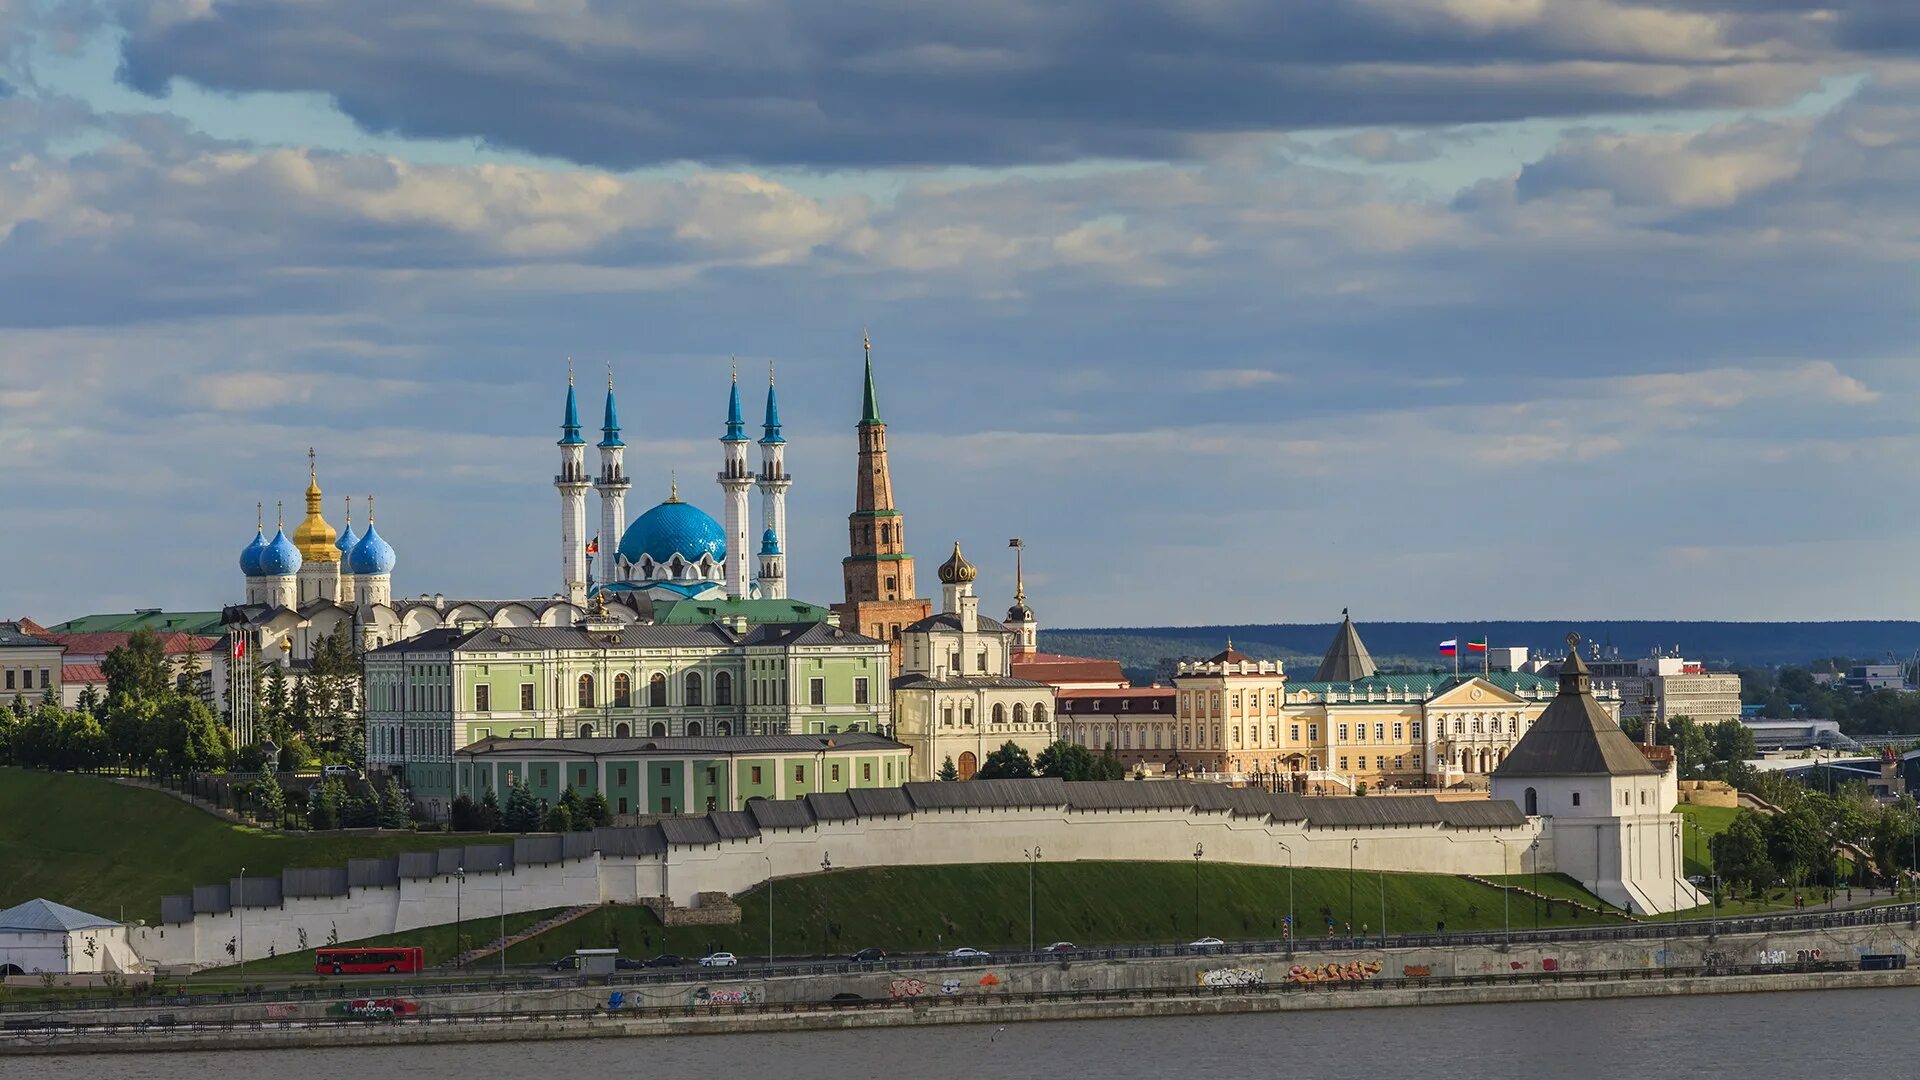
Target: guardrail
49	1029
1908	913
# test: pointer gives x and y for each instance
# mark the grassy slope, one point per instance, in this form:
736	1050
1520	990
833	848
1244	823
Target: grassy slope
924	908
438	941
96	845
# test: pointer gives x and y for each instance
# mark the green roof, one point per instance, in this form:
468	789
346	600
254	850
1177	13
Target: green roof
205	623
757	611
1427	684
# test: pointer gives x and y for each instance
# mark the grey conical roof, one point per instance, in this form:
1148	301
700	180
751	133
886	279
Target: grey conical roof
45	916
1347	658
1574	736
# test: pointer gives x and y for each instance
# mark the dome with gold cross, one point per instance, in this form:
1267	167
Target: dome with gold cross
315	538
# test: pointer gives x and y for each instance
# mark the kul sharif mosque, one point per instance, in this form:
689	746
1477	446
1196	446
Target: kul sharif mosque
301	587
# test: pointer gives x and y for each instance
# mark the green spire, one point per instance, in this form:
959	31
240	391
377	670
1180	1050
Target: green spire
870	402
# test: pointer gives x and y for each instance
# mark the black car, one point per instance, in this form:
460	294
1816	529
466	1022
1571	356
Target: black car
627	963
566	963
867	956
667	960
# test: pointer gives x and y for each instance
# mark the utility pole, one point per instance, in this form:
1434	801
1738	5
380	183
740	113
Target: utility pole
500	871
459	931
1289	851
1033	867
1197	852
240	911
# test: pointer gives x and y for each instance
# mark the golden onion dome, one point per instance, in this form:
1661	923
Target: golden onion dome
957	570
314	537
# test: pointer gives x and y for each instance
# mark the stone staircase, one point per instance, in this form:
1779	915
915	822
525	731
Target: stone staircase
1531	895
508	942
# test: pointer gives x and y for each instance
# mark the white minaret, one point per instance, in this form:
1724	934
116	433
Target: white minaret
573	483
774	483
735	479
612	486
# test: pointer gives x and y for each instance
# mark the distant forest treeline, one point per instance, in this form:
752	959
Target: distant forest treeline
1415	645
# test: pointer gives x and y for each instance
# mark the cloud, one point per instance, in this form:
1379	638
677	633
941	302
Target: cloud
771	82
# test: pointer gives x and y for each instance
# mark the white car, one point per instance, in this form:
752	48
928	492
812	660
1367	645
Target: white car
1206	943
719	959
965	953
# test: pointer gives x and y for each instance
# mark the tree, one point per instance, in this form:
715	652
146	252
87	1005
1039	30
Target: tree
90	699
189	736
1010	762
396	808
570	801
490	818
274	702
598	815
269	801
1731	741
325	808
558	819
137	669
1071	761
522	812
1740	853
464	815
1797	844
947	771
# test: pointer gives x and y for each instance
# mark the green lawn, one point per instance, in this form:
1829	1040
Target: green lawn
905	909
1703	824
103	847
1556	886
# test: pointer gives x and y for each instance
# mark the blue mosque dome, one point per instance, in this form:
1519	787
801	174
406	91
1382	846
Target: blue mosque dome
769	543
674	528
280	557
250	555
347	542
372	555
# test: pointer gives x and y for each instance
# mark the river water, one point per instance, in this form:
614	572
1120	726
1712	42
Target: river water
1834	1033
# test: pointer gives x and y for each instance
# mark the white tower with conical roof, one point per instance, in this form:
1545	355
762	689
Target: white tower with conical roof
612	486
773	482
735	478
572	483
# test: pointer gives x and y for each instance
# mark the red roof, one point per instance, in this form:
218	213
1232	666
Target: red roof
1231	656
1058	668
1124	691
82	674
104	642
28	626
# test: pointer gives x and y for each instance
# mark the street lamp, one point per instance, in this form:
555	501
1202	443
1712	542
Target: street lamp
1535	849
1197	852
1506	890
1383	909
500	871
240	911
1289	851
1033	868
459	931
769	859
1351	852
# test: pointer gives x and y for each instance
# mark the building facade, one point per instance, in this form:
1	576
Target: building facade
1665	686
956	697
687	775
430	695
29	666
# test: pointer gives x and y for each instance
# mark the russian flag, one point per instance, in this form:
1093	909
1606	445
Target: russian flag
1450	648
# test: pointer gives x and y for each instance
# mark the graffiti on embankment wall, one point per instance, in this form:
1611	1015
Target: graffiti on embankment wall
745	995
1353	971
1234	976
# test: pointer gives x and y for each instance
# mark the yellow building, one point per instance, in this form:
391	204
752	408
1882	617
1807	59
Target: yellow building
1240	720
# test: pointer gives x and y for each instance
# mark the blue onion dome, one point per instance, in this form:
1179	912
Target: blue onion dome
372	556
280	558
348	541
769	543
674	528
250	555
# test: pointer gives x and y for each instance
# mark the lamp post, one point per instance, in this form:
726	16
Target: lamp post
769	859
1351	852
1033	868
1535	849
1197	852
1289	851
1680	867
500	871
1383	909
459	931
1506	890
240	911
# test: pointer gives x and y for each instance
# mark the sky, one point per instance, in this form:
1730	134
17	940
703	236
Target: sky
1233	311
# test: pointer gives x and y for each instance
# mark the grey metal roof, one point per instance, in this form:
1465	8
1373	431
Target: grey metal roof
1129	795
718	745
630	840
1481	814
936	795
733	824
880	802
1378	811
1258	802
45	916
831	806
949	620
1574	736
914	681
693	831
11	636
1347	658
780	813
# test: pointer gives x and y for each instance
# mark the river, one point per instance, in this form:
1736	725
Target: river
1840	1033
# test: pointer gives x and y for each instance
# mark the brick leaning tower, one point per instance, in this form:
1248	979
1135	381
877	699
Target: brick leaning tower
880	600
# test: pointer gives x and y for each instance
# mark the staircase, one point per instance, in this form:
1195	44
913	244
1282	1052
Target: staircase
1529	893
501	944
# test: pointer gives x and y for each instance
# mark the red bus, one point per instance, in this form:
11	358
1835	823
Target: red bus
395	960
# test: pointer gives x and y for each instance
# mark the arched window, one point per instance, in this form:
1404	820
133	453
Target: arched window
999	713
657	691
622	691
723	688
1039	713
693	727
586	691
726	726
1533	803
695	686
622	731
659	730
586	731
1019	712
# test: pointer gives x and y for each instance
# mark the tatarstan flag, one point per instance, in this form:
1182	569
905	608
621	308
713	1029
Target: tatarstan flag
1477	645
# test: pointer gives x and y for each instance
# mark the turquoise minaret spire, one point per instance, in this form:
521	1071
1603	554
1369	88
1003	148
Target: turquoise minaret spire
612	485
770	428
570	427
736	425
735	478
773	482
572	483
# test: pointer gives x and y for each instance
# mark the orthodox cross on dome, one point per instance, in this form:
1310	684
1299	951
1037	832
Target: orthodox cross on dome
1019	577
279	514
260	516
312	470
370	514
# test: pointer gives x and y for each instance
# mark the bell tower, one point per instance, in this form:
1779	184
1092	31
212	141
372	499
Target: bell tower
878	571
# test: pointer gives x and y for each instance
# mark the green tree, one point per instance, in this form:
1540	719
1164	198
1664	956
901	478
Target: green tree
1731	741
274	702
269	801
597	814
137	669
1010	762
133	729
396	807
90	699
1071	761
522	812
189	735
490	818
558	819
947	771
464	814
1740	854
570	800
1797	843
326	807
